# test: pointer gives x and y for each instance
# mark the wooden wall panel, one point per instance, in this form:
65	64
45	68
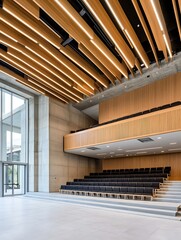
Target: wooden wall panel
168	120
154	95
173	160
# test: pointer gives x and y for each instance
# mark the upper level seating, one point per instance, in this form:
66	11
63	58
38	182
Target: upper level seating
124	183
174	104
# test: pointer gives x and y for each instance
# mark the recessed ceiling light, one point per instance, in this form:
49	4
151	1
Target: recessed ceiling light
176	149
141	152
173	143
99	154
142	149
107	146
138	25
162	151
83	151
159	138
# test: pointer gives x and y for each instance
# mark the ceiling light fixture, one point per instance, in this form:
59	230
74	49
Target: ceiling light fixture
174	149
107	31
74	19
83	67
31	27
140	149
28	85
47	90
22	32
136	48
125	31
159	138
67	67
161	27
141	152
32	73
100	49
8	36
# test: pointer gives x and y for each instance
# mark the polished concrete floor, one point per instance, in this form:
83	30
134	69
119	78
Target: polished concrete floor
24	218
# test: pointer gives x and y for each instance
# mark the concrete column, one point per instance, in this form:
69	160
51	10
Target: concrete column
43	144
33	145
1	180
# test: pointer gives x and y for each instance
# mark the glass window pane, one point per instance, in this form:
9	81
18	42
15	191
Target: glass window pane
6	126
18	129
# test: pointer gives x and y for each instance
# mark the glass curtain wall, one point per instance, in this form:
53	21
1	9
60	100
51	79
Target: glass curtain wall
13	141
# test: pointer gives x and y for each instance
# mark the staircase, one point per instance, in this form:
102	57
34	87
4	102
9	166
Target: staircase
170	191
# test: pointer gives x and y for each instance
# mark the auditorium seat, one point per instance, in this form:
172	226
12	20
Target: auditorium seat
123	183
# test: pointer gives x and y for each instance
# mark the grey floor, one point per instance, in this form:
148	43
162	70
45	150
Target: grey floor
24	218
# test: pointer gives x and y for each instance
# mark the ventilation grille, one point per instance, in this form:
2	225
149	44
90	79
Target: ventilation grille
93	148
145	140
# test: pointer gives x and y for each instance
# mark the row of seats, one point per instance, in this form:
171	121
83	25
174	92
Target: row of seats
134	115
110	189
129	183
154	185
135	170
138	179
164	175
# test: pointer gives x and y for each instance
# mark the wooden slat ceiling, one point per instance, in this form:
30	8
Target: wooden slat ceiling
72	49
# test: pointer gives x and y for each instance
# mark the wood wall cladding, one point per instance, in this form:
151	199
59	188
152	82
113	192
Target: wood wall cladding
164	121
173	160
154	95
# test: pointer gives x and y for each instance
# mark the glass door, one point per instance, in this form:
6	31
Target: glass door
14	179
8	180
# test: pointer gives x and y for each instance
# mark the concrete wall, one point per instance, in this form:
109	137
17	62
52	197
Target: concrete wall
54	167
63	166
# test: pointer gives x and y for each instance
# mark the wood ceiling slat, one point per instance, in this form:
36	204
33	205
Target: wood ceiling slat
31	22
29	6
13	34
68	68
48	92
158	34
27	54
64	20
179	3
107	25
87	53
70	53
144	25
121	18
31	72
177	17
41	89
20	79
